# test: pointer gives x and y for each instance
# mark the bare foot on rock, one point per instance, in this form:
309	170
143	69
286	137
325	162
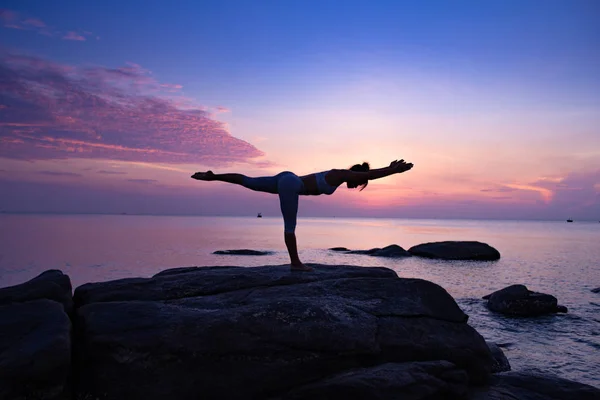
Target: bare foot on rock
301	267
204	176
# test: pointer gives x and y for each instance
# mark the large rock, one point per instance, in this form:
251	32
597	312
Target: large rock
35	351
414	380
51	285
455	250
519	301
237	333
527	386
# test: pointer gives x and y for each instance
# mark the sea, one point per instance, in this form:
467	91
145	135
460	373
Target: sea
554	257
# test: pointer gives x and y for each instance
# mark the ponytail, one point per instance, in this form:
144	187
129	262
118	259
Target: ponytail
364	167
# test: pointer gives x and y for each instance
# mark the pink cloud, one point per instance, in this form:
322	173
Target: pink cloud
145	181
8	16
38	23
71	35
111	172
171	87
14	20
58	173
56	111
222	109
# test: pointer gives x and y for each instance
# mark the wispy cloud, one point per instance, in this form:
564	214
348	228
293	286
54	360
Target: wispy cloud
35	22
145	181
111	172
55	111
544	192
15	20
500	189
72	35
58	173
575	192
171	87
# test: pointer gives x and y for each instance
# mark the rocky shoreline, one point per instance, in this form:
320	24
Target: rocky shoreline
260	333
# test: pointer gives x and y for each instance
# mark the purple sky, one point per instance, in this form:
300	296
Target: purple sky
497	105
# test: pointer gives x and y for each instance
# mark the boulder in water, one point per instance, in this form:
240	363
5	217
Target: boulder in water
365	252
517	300
456	250
339	249
597	290
391	251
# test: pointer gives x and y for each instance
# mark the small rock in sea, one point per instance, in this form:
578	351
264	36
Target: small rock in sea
339	249
597	290
365	252
243	252
519	301
390	251
456	250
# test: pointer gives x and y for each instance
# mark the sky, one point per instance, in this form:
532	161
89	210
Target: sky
111	106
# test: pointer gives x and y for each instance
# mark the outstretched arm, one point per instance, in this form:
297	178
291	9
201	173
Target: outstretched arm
338	176
395	167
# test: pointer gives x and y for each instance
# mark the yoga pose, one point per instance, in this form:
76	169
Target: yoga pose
289	186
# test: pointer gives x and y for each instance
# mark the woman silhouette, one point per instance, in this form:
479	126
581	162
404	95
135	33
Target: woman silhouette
289	186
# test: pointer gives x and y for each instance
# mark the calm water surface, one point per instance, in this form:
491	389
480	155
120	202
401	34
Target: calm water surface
558	258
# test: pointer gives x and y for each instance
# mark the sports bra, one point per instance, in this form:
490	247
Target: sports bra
322	185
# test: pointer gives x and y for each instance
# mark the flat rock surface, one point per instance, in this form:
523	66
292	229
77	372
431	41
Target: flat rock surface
232	332
415	380
456	250
526	386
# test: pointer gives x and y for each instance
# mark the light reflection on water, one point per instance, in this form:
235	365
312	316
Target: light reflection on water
553	257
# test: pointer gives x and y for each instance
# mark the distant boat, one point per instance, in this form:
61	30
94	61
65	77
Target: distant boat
569	220
259	215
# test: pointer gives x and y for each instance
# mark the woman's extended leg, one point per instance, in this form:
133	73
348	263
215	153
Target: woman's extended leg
210	176
266	184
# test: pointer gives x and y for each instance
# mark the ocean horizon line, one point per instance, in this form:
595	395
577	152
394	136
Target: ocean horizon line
4	212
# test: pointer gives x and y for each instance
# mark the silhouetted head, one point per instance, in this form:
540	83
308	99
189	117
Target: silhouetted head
362	183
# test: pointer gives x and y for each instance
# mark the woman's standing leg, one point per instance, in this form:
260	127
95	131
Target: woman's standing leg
289	186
